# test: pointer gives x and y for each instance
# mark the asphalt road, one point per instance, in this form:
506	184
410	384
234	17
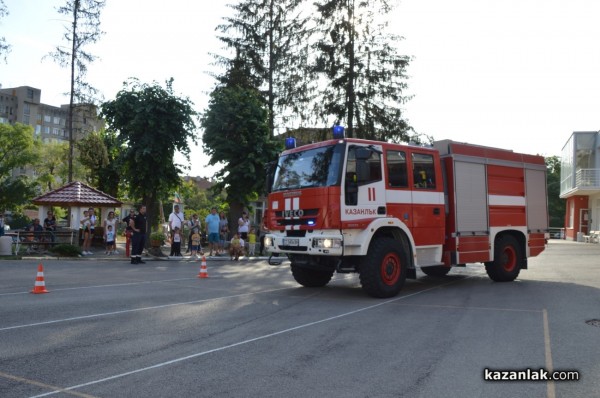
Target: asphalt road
111	329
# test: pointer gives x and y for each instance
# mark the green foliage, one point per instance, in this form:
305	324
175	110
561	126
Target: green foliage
65	250
159	236
556	205
18	221
109	177
151	125
236	134
50	165
270	35
17	149
365	76
5	48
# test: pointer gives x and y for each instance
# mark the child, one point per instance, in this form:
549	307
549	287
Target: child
236	247
251	241
110	240
196	238
176	244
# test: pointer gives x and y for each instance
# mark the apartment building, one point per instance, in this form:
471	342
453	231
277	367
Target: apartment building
580	183
23	105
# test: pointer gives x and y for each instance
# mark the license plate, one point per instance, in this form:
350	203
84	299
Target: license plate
291	242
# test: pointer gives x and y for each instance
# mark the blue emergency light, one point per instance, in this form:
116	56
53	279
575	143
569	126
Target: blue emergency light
338	132
290	143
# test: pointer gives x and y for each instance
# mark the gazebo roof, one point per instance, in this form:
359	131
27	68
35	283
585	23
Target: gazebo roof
76	194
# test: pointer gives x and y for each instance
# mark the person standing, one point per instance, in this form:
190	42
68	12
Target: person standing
128	230
2	223
244	225
176	244
110	221
175	220
138	225
223	231
85	233
194	223
93	219
251	242
212	230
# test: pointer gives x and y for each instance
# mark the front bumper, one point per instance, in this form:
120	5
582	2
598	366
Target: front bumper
317	243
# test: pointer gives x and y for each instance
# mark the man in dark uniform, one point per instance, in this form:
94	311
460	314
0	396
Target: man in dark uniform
138	239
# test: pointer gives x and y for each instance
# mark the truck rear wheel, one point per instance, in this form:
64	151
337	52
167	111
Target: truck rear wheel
436	271
309	277
507	260
383	269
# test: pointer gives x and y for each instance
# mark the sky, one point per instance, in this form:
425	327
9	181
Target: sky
515	74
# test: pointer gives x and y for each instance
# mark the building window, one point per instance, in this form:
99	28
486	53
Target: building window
38	118
38	129
46	130
47	118
29	93
55	131
26	119
26	108
56	120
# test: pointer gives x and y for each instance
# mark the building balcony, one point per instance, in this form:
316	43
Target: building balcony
587	182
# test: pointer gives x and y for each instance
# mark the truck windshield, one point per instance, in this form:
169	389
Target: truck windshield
318	167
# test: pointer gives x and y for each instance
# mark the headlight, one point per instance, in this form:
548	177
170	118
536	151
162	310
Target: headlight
327	243
268	241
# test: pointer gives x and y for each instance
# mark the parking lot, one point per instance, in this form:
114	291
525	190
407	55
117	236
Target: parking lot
112	329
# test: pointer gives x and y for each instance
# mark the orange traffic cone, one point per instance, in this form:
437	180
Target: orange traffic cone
203	271
40	285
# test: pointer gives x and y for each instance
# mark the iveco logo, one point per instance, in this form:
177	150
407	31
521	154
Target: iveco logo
293	213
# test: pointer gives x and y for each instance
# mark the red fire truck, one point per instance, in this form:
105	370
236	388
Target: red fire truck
382	210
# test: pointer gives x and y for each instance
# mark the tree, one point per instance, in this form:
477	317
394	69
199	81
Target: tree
236	133
151	123
93	155
363	76
83	30
17	149
271	36
50	164
556	205
4	46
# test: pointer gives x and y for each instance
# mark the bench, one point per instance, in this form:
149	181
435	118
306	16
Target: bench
593	237
38	242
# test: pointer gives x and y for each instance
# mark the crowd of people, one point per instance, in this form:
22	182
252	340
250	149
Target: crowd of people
214	231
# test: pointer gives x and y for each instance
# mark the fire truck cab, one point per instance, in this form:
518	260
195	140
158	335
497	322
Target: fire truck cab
383	209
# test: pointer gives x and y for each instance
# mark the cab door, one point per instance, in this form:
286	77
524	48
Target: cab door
427	199
363	194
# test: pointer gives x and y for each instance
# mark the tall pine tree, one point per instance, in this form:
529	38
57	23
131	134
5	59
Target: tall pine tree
271	35
361	71
84	29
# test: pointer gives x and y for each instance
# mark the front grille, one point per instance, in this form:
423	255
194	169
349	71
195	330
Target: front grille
307	213
295	233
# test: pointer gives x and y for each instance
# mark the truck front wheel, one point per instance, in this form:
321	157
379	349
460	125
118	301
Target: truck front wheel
383	270
309	277
507	260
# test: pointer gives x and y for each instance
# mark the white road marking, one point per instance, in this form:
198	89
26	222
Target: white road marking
263	337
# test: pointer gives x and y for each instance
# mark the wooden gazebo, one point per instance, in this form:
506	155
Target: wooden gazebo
79	197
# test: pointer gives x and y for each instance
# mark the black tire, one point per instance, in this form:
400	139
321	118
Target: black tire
437	271
383	270
507	261
309	277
